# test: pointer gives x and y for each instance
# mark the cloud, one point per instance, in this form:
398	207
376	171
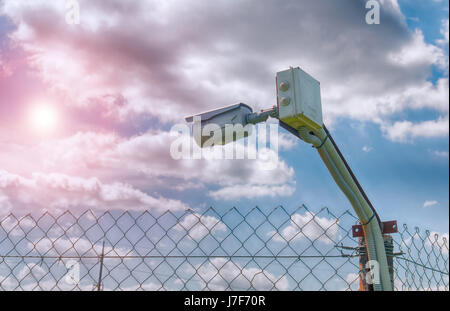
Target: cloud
146	65
308	226
367	148
222	274
14	226
111	68
444	33
406	131
198	226
432	240
59	191
352	280
8	283
31	270
430	203
5	205
230	193
138	151
74	246
439	241
34	277
286	141
148	286
418	52
144	161
179	70
440	153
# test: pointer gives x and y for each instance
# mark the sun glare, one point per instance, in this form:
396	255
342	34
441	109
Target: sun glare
44	118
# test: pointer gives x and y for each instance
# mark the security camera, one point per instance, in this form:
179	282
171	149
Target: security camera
221	126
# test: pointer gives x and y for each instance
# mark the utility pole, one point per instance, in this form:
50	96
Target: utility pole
364	269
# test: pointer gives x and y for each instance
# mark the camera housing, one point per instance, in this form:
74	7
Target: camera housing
221	126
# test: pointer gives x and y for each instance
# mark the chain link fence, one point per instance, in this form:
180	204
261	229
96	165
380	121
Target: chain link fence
212	250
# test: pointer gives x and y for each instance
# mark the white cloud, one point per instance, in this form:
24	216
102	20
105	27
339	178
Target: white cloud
17	226
148	286
32	271
287	141
424	95
177	71
419	52
352	280
430	203
8	283
233	177
169	74
439	241
444	32
144	161
440	153
59	191
29	283
5	205
367	148
308	226
222	274
406	131
230	193
73	246
156	146
198	226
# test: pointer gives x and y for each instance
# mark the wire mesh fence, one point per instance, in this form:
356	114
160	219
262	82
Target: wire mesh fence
422	263
211	250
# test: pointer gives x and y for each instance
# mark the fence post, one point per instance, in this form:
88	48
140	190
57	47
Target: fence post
99	284
363	259
363	269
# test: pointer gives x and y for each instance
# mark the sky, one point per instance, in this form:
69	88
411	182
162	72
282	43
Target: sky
86	108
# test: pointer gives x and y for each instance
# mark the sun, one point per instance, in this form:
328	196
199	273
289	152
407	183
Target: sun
44	118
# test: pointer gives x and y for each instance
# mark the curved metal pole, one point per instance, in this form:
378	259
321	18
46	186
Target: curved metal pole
347	182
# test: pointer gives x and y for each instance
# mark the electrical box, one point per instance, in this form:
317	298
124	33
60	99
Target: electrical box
298	98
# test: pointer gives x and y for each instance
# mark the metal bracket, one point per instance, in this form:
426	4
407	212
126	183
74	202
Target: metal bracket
388	227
